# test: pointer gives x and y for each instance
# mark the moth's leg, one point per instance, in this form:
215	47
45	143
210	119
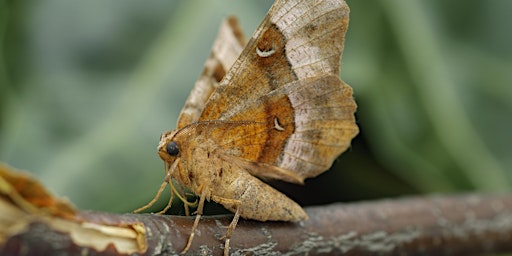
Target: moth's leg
199	212
181	190
232	225
169	203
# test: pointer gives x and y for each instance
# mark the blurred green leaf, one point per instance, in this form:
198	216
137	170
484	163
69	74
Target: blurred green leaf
88	87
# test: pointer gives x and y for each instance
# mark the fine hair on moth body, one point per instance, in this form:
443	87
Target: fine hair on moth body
271	108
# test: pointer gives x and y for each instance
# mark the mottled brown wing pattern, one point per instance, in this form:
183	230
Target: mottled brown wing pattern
286	81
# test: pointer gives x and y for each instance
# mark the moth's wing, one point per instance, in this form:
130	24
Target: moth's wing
226	48
262	170
311	122
287	81
323	125
306	39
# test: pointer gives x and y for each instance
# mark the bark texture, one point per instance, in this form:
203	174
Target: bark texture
430	225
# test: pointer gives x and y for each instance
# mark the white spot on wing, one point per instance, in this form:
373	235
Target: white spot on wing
265	54
277	126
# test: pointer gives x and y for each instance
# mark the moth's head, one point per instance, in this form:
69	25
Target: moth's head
168	148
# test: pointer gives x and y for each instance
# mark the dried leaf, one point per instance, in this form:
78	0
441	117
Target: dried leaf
29	195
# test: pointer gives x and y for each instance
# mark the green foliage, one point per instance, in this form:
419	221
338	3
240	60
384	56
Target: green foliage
87	87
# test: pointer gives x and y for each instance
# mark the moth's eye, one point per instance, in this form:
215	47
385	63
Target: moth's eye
172	148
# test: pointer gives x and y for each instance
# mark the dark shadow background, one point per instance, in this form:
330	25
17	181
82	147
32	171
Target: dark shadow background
87	87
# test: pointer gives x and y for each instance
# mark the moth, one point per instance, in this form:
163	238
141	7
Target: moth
274	109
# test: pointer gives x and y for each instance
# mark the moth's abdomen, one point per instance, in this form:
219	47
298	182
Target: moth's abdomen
258	201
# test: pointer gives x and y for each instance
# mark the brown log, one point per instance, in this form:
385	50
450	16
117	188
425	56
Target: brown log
431	225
